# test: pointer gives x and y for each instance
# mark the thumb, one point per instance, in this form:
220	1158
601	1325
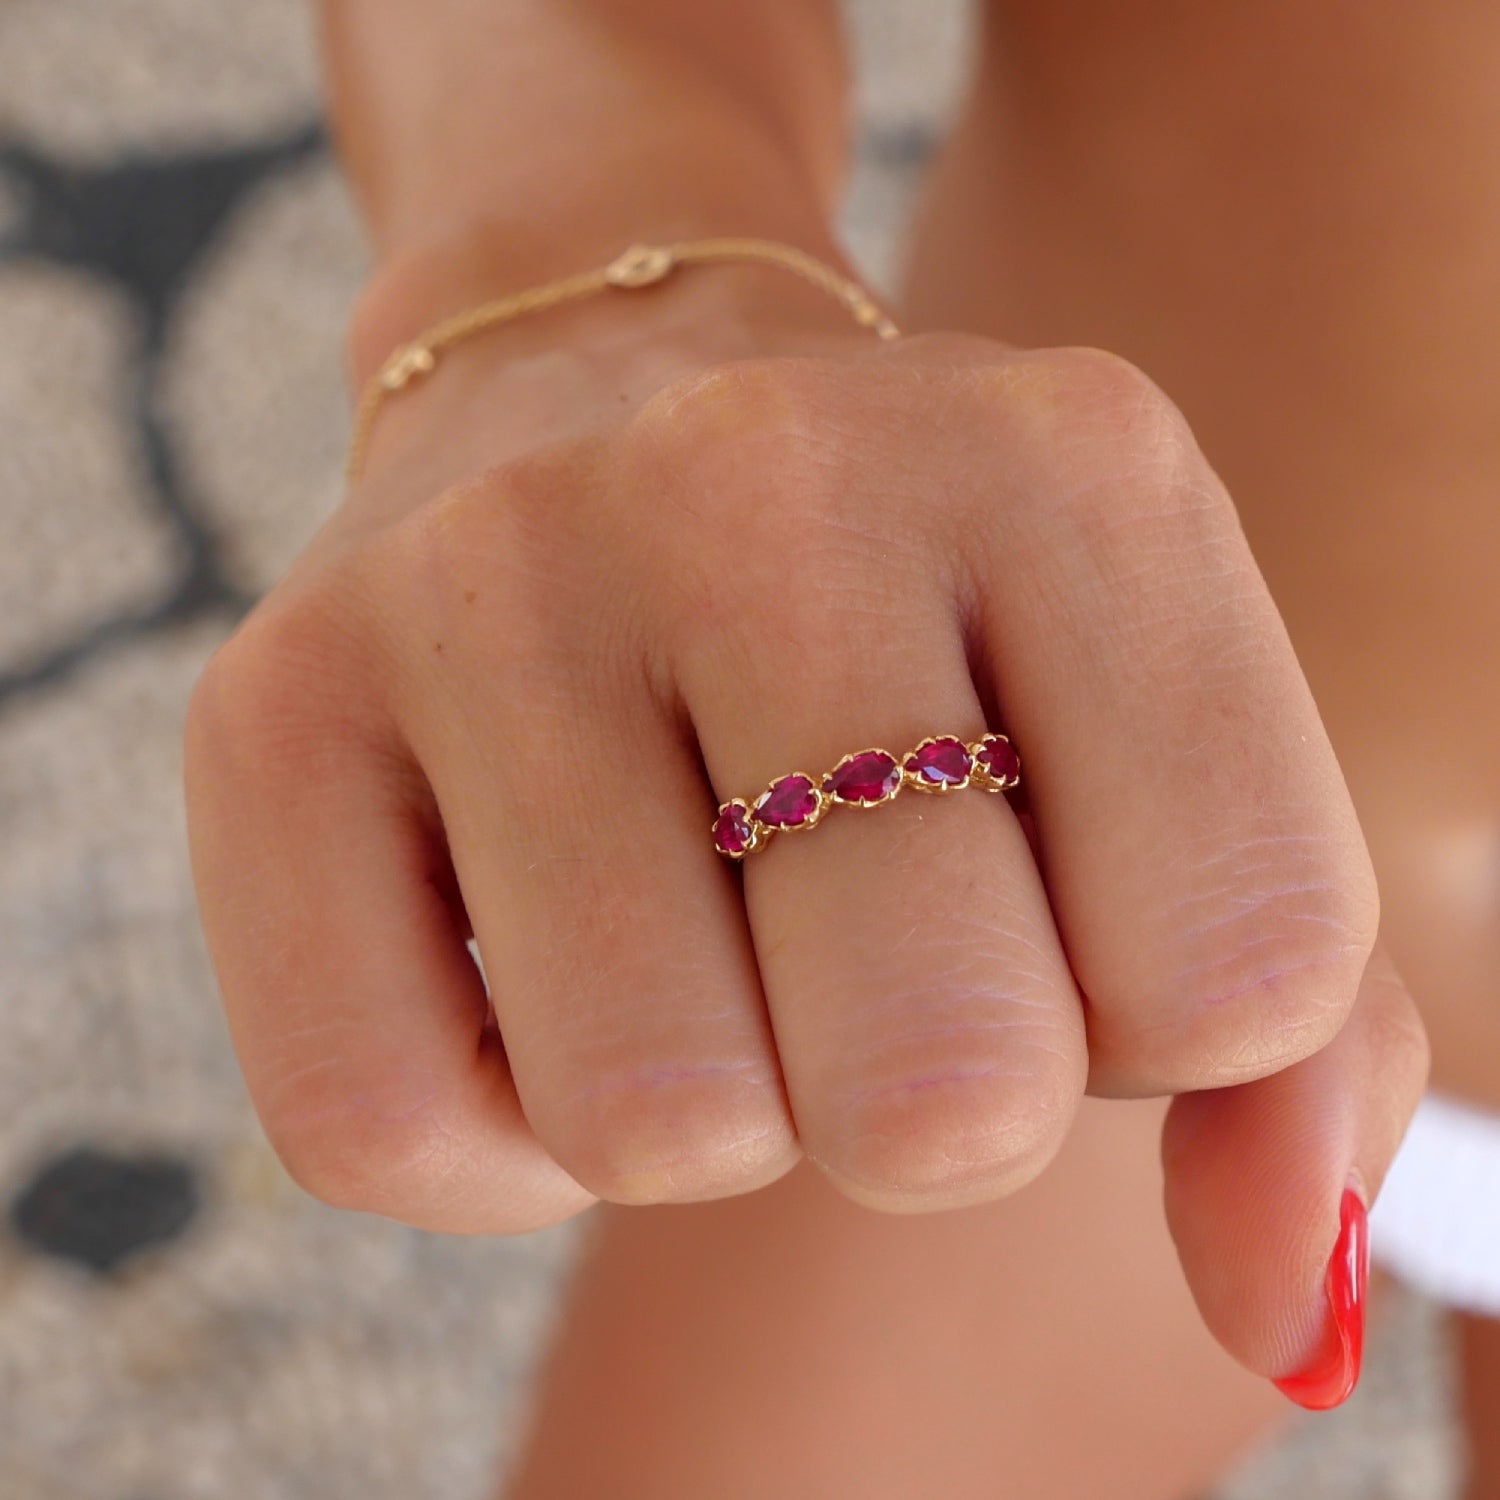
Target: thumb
1268	1184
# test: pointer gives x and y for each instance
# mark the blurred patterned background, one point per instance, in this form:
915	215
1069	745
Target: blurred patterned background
177	257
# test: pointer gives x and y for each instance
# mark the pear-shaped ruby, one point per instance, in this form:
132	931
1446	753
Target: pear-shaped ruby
734	835
870	776
788	803
997	758
940	763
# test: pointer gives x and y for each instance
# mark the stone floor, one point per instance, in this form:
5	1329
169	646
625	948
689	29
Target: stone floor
177	1322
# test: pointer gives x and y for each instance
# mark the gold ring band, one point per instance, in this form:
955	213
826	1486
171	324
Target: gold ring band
867	778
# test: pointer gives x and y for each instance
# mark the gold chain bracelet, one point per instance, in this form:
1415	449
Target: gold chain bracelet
639	266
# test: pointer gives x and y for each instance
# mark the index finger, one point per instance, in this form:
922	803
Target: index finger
1198	843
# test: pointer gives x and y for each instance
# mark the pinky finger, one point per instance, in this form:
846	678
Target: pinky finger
1268	1186
361	1022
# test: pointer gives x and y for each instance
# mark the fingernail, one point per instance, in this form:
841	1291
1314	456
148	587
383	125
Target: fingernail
1330	1380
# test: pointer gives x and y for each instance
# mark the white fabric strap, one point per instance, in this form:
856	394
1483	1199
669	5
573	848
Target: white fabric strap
1436	1223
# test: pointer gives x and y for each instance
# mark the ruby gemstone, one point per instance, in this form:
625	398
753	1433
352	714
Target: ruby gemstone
787	803
940	763
733	834
870	776
998	758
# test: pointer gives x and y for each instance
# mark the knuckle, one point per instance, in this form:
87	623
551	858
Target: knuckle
1273	953
271	693
777	518
1107	484
767	399
965	1133
351	1156
1118	397
749	449
668	1134
232	697
1130	453
486	577
1074	387
474	544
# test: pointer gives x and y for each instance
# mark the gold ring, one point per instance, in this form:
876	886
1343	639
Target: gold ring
868	778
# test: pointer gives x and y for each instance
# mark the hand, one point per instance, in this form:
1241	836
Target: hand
509	705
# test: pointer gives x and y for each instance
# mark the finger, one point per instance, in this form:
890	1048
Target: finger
613	938
360	1021
1202	857
1267	1185
929	1031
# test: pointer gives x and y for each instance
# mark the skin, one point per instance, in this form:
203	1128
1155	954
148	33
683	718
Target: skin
1333	333
563	545
1362	326
891	1356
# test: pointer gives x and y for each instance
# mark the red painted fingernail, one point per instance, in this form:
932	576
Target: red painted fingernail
1331	1381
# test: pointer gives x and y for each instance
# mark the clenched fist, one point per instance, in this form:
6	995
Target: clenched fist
505	692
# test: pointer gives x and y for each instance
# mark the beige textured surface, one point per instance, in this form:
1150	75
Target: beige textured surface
255	379
90	77
283	1349
83	543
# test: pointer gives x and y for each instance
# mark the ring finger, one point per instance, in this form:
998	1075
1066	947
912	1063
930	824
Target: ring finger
930	1033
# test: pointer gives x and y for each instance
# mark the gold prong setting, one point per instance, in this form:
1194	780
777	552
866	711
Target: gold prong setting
862	780
997	767
791	804
735	832
939	765
868	778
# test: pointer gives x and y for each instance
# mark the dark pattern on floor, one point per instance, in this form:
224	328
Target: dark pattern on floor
100	1210
144	223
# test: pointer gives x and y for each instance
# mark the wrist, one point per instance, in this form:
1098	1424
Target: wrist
546	375
460	265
